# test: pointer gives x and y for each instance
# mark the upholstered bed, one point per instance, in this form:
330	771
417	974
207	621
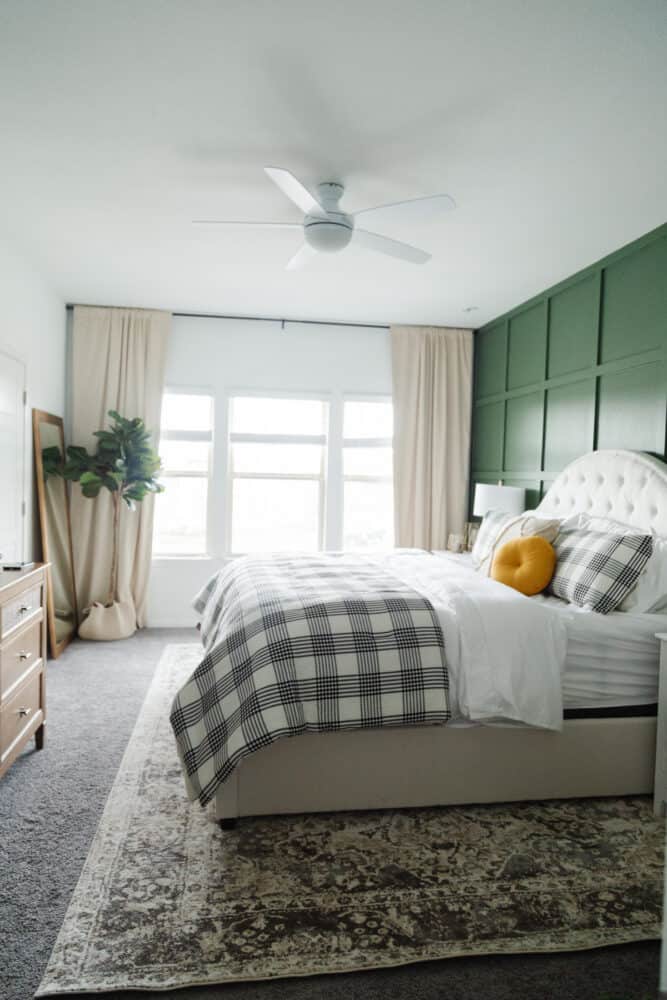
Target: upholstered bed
612	753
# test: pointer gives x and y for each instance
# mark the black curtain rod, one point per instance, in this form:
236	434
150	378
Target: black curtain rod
268	319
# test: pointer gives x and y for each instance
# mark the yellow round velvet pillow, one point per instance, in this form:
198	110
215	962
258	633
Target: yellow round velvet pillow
527	564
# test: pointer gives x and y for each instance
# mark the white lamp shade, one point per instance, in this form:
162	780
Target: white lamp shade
510	499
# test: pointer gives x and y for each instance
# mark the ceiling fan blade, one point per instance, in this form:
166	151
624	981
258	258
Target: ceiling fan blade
295	191
302	257
393	248
414	210
230	224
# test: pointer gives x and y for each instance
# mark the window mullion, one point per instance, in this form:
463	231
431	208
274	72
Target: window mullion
309	476
367	443
183	474
276	439
206	436
358	478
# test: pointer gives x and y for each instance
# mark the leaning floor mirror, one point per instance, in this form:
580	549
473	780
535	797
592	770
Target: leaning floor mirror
56	530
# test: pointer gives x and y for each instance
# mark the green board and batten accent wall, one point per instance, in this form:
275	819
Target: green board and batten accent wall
580	367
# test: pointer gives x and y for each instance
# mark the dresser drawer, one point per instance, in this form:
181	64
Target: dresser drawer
20	609
19	712
17	656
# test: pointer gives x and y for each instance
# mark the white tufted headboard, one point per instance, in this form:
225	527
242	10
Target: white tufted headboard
628	486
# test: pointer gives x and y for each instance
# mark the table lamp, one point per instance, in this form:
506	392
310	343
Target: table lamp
510	499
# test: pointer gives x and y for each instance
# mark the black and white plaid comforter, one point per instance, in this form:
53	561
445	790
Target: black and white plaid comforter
304	644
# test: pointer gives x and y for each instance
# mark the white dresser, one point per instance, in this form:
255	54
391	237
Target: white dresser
22	660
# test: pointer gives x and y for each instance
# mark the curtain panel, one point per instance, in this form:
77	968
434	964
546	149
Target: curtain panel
432	392
117	363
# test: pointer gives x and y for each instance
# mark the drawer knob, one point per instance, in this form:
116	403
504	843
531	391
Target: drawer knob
24	608
22	712
23	655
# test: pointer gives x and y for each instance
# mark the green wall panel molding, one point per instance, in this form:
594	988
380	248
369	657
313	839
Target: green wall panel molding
573	327
527	347
523	432
632	409
491	346
569	424
488	436
634	303
579	367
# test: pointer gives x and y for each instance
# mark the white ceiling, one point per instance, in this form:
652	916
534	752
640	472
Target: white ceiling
121	121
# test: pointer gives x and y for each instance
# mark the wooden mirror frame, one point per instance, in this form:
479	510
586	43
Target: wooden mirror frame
41	417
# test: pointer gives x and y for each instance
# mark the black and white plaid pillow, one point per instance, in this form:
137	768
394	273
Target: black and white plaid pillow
596	570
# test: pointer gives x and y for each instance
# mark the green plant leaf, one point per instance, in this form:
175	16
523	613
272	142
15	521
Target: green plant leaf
91	489
87	478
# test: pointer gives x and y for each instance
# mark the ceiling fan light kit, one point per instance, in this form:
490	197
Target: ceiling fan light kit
327	229
333	231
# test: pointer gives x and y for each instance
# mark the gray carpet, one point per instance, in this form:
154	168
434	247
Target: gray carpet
50	804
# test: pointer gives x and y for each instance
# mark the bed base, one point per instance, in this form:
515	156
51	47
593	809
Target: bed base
442	765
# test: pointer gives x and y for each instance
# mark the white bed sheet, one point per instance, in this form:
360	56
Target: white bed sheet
491	633
611	661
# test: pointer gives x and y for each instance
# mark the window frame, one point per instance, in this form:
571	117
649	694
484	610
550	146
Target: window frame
219	495
205	436
349	442
238	437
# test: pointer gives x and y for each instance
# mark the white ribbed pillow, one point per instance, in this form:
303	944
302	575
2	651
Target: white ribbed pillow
492	523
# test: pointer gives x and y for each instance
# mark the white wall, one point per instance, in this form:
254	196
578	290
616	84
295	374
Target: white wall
32	330
229	356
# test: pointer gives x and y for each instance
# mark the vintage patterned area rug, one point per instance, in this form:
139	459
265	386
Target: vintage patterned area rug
167	899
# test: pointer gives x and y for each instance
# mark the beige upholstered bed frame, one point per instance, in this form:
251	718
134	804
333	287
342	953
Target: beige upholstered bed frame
443	765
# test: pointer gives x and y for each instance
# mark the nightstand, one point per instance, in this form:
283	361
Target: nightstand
660	785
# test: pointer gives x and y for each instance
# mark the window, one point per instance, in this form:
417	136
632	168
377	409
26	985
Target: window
277	462
186	437
368	500
303	475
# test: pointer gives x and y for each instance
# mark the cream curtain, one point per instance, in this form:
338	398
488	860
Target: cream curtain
118	363
432	384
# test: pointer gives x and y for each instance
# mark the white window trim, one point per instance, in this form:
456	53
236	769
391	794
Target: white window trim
206	436
350	442
237	437
219	493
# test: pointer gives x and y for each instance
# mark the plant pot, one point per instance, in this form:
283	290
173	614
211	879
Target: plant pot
117	621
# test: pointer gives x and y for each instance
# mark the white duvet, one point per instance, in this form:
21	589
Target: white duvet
505	653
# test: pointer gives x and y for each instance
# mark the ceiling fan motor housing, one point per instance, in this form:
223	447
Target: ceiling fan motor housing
328	235
335	232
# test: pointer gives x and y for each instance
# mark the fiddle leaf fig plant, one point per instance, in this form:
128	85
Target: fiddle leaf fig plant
124	463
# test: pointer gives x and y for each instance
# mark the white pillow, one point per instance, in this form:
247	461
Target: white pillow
649	595
492	523
498	528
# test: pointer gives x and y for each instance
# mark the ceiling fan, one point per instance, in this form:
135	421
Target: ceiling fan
327	229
